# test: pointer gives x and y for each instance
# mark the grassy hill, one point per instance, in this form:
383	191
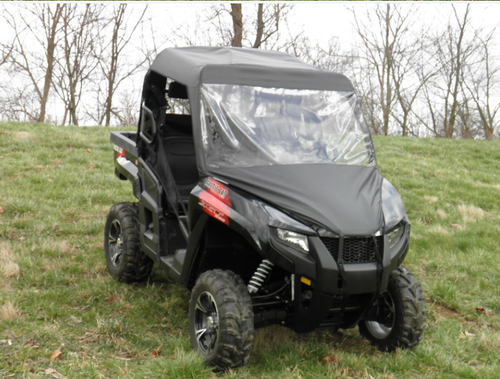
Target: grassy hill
57	185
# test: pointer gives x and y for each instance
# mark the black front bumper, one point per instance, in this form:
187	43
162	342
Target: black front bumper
326	282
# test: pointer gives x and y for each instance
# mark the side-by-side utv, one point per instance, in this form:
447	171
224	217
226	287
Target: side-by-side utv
258	191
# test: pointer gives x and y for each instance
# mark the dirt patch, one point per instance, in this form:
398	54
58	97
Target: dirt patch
23	136
10	270
440	230
480	184
441	214
8	266
64	247
445	312
471	213
272	335
442	312
8	312
431	199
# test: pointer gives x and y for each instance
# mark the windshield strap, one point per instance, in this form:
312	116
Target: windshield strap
343	281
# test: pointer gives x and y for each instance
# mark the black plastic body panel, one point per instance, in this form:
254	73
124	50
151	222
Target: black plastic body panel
125	159
126	140
150	211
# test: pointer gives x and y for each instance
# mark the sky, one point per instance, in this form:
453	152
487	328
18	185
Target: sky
319	20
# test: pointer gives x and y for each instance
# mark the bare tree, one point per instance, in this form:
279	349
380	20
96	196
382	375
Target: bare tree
410	74
5	53
111	56
330	57
444	94
79	28
366	83
128	100
237	17
467	123
481	80
386	48
453	71
50	29
240	30
28	60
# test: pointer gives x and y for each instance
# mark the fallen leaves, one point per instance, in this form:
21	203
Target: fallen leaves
57	354
329	359
110	299
156	352
31	344
485	312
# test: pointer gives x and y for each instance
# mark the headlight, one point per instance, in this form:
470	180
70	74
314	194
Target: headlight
395	235
392	205
292	238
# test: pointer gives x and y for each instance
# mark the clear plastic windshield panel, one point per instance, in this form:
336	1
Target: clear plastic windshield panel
245	126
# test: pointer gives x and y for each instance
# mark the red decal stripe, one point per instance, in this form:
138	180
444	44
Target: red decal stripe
214	207
120	152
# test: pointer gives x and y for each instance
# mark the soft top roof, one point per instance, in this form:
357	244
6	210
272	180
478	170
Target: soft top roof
192	66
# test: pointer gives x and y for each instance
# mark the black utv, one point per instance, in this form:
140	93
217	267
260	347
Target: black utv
258	191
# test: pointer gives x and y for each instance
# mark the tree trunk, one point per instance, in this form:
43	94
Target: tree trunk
237	25
51	31
111	76
260	26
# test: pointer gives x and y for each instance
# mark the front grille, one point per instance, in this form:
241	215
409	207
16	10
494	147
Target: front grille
356	250
332	245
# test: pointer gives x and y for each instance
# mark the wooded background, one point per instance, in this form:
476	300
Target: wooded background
82	64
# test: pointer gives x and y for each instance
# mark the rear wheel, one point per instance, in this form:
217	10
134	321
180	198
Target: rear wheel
221	319
124	258
401	314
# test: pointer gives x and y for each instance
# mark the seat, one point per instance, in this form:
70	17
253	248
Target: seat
178	145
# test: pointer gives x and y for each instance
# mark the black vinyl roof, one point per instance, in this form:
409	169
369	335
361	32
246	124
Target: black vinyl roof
192	66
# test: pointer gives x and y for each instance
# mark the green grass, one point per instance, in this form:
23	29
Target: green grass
57	185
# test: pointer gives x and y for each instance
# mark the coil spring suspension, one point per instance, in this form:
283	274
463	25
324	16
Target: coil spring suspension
260	276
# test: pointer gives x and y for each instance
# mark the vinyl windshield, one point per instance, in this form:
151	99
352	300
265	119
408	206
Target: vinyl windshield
245	126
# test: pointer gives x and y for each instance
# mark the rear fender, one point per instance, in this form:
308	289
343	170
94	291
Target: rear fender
127	170
125	159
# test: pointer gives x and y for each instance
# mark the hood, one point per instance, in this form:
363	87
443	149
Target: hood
344	199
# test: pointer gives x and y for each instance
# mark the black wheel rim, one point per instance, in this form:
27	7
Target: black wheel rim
206	322
382	330
115	242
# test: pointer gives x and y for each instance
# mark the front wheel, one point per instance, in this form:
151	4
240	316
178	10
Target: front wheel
400	314
221	319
